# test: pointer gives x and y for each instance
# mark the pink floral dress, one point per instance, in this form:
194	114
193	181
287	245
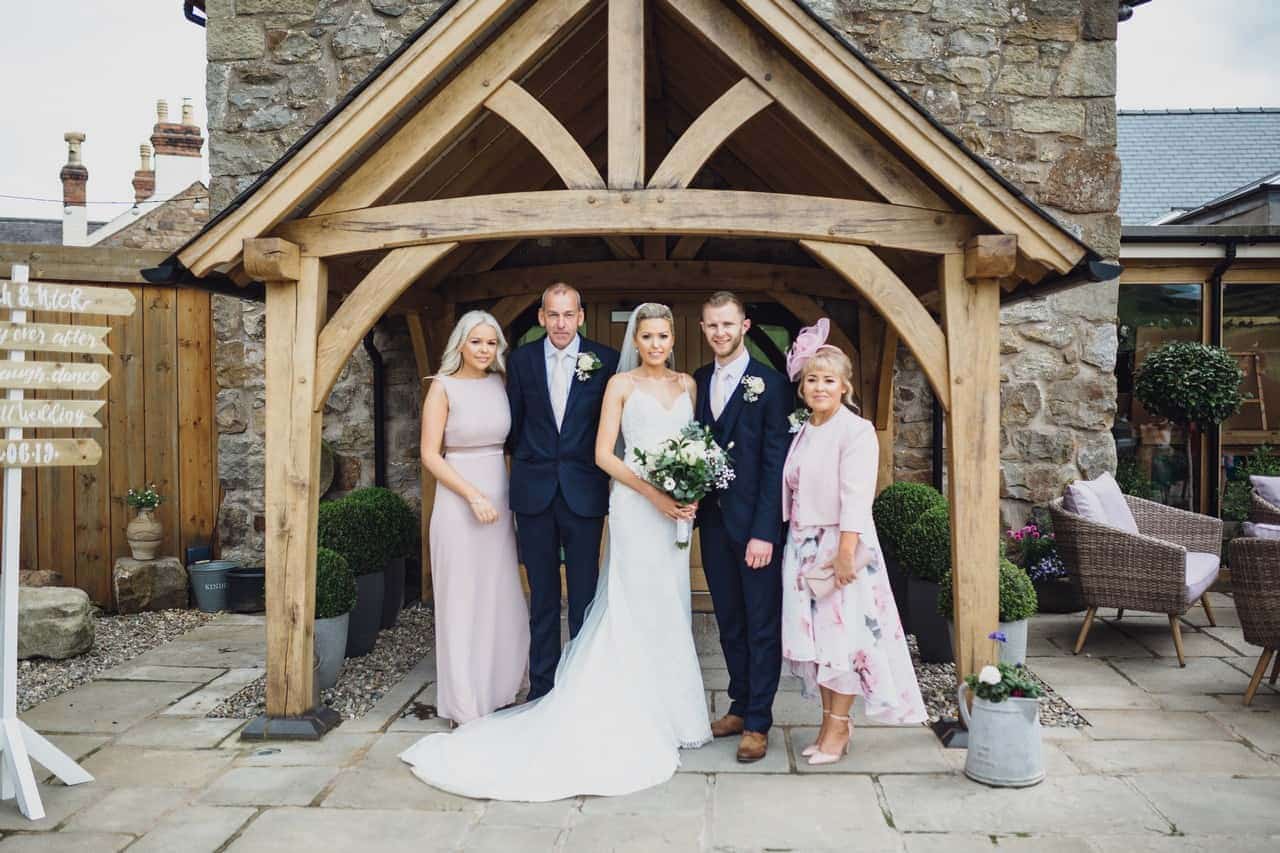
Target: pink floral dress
850	641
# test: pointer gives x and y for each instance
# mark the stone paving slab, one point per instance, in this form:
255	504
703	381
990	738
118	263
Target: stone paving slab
366	831
554	815
392	788
498	839
336	749
388	708
1058	805
104	707
1188	701
913	749
1077	671
244	648
635	834
1203	756
1056	761
194	829
128	766
1103	641
1234	637
1260	729
720	756
1183	844
66	842
951	842
1087	697
131	810
1155	725
60	802
1218	804
75	747
212	694
131	671
800	813
268	786
682	794
177	733
385	751
1200	675
1195	644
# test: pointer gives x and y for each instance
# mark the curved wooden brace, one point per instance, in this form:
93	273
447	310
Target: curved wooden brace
545	132
880	286
579	213
809	312
362	308
507	309
708	132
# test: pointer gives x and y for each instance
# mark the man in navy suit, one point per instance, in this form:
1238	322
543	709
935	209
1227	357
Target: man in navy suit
746	403
558	495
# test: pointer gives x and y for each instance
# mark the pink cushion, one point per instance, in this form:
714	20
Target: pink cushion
1101	501
1202	571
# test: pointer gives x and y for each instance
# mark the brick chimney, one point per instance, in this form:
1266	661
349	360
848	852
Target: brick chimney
144	180
75	178
177	148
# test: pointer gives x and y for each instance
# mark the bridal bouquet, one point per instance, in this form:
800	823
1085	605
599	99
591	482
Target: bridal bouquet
687	467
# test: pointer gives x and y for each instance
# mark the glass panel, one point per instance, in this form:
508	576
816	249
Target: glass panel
1153	453
1251	332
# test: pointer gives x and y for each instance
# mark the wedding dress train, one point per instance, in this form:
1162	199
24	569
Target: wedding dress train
628	691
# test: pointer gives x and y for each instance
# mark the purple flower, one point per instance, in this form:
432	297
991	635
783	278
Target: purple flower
999	636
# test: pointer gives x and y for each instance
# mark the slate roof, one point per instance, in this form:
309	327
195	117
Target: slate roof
30	230
1182	159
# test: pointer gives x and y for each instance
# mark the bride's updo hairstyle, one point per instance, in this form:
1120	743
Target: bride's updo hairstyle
829	359
451	362
657	311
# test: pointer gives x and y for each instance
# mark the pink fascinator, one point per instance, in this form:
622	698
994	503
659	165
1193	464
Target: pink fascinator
806	345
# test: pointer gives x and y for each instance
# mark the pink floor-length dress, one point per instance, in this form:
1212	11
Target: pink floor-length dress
481	618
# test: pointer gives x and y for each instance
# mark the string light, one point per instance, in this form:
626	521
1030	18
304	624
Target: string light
130	203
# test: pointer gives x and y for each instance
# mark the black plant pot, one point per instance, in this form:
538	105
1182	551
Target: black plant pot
1060	595
366	616
930	628
392	592
898	583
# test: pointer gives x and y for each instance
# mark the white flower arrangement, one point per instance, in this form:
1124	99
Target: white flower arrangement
989	675
687	467
587	364
753	387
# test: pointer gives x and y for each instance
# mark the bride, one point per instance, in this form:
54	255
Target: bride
628	691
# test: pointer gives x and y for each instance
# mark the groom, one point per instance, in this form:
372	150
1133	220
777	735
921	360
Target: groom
746	403
559	496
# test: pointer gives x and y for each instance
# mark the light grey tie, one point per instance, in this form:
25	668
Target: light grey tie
719	393
559	386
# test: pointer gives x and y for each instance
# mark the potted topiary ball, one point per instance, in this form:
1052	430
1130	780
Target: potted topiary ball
398	523
1017	606
352	528
894	511
335	597
925	552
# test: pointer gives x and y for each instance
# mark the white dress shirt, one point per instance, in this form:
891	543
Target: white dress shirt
731	374
550	354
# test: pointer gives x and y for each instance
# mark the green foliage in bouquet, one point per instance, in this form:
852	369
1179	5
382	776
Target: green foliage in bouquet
335	585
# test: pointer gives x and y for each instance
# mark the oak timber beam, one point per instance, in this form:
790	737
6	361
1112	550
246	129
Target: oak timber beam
626	94
887	293
511	307
361	309
687	248
1038	239
272	259
426	482
707	133
80	263
715	23
971	310
809	312
572	213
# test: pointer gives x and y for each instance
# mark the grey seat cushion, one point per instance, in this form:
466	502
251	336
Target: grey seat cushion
1101	501
1202	571
1267	488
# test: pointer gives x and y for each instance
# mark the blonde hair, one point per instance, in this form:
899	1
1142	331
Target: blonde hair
831	360
451	361
656	311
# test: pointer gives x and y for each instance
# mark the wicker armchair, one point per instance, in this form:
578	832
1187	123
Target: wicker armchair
1255	582
1262	512
1164	568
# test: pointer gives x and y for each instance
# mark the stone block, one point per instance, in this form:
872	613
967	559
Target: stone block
1220	805
54	622
800	813
268	786
390	8
1156	725
633	834
194	829
132	810
1048	115
275	7
39	577
67	842
1030	79
991	13
392	788
1019	402
1089	70
159	584
235	39
1084	180
127	766
173	733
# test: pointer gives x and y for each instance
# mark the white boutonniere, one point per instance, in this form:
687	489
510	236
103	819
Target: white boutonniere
798	418
587	364
753	387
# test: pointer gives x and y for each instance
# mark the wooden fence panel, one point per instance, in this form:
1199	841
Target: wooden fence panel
197	496
55	487
160	355
93	496
125	423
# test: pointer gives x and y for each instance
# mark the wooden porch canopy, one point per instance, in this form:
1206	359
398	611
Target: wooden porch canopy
645	146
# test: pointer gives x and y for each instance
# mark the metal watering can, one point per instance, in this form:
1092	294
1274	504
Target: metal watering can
1004	741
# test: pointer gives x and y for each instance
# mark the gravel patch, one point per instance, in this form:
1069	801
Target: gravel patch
363	680
116	639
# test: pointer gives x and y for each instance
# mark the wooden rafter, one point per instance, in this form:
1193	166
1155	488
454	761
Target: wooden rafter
626	94
774	73
369	301
809	312
509	308
707	133
896	303
570	213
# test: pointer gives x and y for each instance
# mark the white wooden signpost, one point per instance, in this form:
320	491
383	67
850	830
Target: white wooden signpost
19	743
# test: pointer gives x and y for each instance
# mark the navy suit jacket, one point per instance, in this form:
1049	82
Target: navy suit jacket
544	458
751	508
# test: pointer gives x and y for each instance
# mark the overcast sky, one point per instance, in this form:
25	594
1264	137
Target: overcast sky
98	66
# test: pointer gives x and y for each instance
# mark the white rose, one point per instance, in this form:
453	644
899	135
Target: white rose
989	675
669	485
690	454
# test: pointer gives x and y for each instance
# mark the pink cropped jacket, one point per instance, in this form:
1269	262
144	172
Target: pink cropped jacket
838	468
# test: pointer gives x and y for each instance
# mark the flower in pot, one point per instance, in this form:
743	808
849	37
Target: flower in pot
1017	605
352	528
925	553
144	532
1035	549
335	597
1004	726
396	522
894	510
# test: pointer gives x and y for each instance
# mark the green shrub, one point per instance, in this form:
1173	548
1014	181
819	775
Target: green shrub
1236	496
355	530
898	507
335	585
1017	594
926	548
1133	480
396	517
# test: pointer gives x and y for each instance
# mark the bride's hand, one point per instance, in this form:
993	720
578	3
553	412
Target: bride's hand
666	504
483	510
688	511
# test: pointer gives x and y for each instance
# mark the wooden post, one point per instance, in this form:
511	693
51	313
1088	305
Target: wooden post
426	482
297	293
626	94
971	311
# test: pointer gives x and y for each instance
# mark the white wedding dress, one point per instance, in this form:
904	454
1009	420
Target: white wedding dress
628	691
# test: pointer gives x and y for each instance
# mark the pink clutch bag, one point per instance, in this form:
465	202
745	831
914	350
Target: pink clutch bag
822	581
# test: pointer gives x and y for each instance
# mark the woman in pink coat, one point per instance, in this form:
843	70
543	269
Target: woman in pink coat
840	628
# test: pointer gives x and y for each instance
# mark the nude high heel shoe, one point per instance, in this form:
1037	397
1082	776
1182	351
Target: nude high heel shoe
813	747
820	757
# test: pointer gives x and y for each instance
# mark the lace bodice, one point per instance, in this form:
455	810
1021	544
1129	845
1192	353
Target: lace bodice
646	423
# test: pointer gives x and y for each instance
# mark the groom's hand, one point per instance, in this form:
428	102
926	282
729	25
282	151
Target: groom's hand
759	553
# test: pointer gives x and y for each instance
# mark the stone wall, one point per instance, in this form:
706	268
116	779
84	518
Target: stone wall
1028	84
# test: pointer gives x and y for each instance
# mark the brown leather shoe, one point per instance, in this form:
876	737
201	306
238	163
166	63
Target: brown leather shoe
752	747
729	724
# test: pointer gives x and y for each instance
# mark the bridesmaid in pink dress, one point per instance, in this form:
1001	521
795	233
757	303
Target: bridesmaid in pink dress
849	640
481	618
